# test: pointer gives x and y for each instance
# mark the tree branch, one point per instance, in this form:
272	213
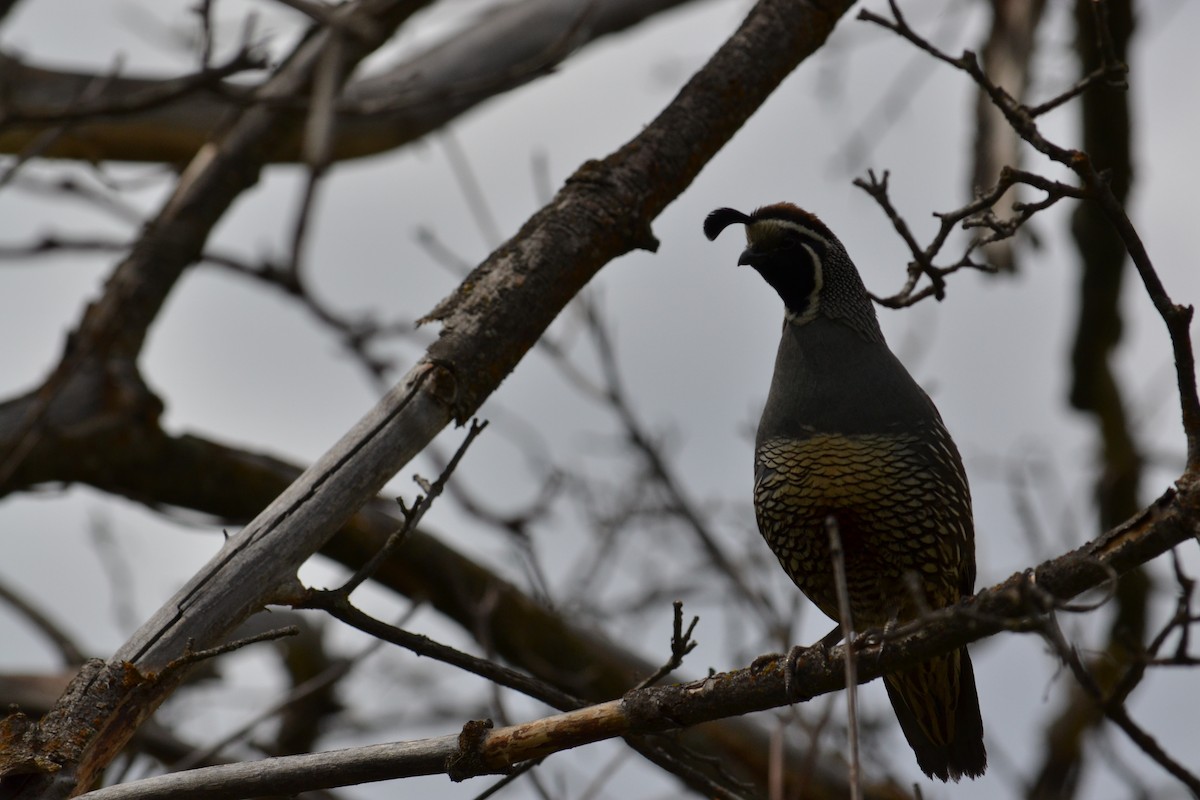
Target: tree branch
504	48
1022	603
1097	188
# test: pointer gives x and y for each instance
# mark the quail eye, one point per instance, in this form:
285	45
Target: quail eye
791	241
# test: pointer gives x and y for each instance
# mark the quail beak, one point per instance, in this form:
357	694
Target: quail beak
749	256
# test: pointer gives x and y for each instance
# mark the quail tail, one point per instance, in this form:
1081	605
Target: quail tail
938	709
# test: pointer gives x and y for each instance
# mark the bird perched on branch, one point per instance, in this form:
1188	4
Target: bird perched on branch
848	435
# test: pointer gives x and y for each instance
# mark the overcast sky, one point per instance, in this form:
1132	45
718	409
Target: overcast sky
696	336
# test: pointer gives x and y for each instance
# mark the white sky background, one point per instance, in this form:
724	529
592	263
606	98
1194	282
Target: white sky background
696	335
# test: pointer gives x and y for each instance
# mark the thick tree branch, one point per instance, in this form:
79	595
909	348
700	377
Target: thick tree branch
506	47
90	97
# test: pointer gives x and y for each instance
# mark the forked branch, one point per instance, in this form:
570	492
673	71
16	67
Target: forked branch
1094	187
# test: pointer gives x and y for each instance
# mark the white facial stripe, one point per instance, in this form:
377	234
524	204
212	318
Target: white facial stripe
767	226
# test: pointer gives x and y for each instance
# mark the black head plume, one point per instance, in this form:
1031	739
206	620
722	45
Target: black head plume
721	219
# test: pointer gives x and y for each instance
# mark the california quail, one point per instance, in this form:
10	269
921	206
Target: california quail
847	433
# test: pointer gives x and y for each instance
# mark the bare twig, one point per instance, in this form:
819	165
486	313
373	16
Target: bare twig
681	644
672	758
191	657
327	677
976	214
100	198
116	568
1114	707
335	602
97	104
319	127
518	772
849	659
1181	621
1095	187
203	11
468	184
356	333
412	515
328	15
68	650
662	473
